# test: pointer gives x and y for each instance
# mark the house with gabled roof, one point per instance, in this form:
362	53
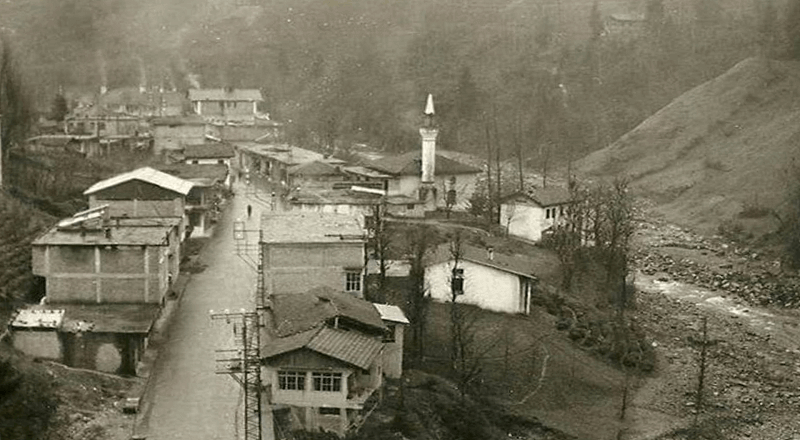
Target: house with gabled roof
530	214
438	181
144	192
226	104
323	357
487	278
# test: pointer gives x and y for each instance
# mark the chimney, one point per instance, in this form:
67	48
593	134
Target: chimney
103	90
490	253
428	133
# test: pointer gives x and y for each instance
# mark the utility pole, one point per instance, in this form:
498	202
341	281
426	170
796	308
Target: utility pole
243	364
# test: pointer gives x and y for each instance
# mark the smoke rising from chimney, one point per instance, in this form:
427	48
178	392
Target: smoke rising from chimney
101	65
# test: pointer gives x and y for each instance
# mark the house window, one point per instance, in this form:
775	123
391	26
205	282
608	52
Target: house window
457	283
331	382
388	335
195	162
352	281
410	207
101	125
547	213
292	380
329	411
561	211
221	161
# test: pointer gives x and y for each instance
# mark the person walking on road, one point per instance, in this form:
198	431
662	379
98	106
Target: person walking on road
249	211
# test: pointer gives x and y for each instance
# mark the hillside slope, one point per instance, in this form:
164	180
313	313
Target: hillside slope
719	149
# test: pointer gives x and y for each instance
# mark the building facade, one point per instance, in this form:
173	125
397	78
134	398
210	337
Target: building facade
306	250
531	214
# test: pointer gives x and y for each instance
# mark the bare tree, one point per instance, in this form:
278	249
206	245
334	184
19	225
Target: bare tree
380	243
419	243
465	353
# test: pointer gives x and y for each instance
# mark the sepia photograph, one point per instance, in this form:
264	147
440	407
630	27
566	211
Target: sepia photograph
399	219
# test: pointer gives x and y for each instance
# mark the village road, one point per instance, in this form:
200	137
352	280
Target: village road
187	399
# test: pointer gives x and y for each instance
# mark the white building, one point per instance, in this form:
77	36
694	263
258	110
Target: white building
528	215
486	278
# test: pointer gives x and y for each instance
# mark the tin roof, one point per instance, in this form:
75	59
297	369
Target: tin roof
178	120
285	153
530	266
316	168
145	174
199	174
347	197
38	318
98	318
409	164
366	172
225	95
208	151
310	227
391	313
549	196
299	312
347	346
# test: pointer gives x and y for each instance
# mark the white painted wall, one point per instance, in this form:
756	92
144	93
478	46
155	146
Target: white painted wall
527	221
485	287
409	186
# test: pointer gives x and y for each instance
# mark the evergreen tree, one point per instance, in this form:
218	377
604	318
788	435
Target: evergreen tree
59	108
15	109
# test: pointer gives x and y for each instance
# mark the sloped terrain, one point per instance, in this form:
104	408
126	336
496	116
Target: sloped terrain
720	150
19	226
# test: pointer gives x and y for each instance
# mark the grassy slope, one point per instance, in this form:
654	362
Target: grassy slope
716	149
19	225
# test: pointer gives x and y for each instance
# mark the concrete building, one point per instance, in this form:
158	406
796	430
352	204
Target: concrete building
105	281
359	202
306	250
132	260
210	184
144	192
528	215
226	104
143	102
323	356
486	278
173	134
100	122
208	154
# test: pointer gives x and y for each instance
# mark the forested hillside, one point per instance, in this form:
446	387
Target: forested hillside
538	77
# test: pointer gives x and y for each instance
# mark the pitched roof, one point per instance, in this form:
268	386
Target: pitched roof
347	346
310	227
531	266
225	95
296	313
198	174
408	164
208	151
543	197
391	313
347	196
316	168
178	120
145	174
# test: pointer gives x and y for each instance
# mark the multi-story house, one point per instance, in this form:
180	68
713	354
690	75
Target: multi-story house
106	280
307	249
144	192
227	104
324	354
